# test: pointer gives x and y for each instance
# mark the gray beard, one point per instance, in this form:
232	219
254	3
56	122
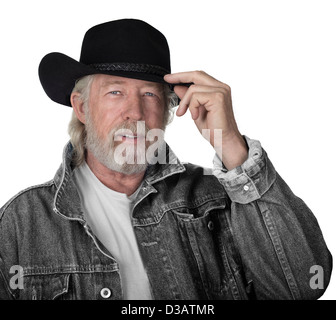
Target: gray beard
104	150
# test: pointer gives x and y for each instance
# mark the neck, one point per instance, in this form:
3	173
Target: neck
119	182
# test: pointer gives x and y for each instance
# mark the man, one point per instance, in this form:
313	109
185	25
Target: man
124	219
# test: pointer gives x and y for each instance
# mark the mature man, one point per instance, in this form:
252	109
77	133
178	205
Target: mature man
125	219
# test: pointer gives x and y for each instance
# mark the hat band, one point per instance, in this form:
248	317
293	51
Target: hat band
131	67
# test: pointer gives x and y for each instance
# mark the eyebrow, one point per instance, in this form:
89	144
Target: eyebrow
147	83
108	83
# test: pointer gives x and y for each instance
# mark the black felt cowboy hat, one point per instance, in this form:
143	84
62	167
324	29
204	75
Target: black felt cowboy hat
129	48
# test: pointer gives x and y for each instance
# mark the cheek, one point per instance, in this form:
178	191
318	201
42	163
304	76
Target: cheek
99	125
155	118
155	122
104	122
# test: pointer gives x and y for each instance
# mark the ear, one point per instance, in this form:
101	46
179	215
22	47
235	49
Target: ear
78	106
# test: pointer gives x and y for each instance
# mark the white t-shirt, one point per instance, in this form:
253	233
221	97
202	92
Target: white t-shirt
107	212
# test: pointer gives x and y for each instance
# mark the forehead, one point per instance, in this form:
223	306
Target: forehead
103	80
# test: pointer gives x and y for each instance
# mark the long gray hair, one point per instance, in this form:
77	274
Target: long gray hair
76	128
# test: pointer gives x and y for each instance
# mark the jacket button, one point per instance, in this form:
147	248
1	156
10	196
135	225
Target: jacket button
105	293
211	225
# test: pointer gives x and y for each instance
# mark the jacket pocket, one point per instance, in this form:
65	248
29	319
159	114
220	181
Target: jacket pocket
206	234
45	286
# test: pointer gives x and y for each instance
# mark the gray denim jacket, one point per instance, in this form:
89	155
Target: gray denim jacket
239	234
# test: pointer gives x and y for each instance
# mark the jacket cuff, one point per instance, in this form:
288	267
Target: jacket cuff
249	181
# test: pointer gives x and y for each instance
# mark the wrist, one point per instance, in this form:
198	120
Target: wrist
233	151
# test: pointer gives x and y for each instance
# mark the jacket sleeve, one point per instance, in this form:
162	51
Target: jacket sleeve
282	248
4	283
8	248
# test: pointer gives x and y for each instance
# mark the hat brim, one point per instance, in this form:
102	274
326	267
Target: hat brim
58	74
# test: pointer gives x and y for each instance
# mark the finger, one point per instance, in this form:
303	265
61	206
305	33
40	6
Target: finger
180	91
198	104
201	92
197	77
202	114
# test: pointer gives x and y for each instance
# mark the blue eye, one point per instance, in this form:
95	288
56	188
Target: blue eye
149	94
115	92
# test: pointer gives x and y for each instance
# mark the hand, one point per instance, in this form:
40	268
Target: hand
210	104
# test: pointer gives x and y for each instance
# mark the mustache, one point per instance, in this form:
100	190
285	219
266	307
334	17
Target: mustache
138	128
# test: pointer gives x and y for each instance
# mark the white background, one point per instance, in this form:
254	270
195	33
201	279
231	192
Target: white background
277	56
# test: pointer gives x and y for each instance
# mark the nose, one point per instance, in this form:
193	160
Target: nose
133	109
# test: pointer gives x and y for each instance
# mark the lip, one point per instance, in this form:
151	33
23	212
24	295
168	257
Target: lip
129	138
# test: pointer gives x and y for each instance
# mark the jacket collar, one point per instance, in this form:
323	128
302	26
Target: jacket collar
67	201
